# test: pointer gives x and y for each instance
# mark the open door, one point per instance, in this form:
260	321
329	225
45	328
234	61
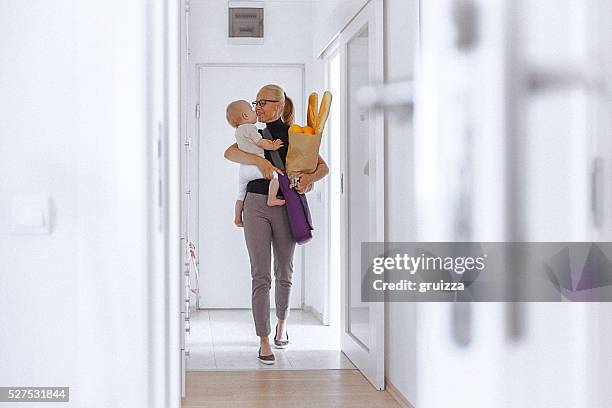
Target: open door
188	262
478	123
362	189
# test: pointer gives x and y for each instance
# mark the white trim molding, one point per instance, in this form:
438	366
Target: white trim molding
339	19
397	395
245	4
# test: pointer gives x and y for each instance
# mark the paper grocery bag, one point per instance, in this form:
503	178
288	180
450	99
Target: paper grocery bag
303	153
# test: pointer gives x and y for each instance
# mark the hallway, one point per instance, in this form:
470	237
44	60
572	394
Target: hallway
460	251
295	389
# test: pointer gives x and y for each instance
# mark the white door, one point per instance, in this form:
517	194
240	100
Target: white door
185	271
362	189
480	127
555	130
331	313
225	274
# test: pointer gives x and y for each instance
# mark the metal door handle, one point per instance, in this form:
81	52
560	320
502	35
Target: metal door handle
462	323
596	184
386	95
545	78
466	16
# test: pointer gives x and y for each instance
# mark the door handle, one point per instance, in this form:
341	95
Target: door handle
596	185
466	16
559	76
386	95
462	323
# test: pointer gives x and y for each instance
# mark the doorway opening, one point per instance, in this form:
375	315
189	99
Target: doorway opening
221	330
221	325
328	325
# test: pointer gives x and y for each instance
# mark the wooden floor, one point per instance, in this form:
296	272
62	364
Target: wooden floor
290	389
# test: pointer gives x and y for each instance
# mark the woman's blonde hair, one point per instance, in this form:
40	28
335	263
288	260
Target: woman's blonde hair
288	115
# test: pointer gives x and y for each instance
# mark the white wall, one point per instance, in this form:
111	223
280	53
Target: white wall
39	105
401	30
72	103
322	10
604	144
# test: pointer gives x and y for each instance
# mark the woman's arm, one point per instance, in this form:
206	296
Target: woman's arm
233	153
307	180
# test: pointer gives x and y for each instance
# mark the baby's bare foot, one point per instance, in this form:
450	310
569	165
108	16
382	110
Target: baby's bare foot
272	202
238	222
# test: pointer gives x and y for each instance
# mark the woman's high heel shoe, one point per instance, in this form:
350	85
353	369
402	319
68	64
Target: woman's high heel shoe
280	344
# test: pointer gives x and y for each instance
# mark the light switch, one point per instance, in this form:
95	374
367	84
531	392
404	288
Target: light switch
30	214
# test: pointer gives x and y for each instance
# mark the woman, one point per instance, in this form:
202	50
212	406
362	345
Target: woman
269	226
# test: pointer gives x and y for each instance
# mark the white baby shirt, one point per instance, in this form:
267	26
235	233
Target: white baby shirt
247	138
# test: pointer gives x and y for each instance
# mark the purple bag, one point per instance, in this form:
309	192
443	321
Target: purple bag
300	220
298	212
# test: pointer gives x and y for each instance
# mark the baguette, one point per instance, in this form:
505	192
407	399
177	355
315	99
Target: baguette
323	113
313	109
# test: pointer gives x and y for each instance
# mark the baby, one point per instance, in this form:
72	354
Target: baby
241	116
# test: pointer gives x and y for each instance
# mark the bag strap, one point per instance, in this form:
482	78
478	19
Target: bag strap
276	159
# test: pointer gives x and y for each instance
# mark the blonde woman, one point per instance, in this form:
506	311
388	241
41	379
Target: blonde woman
267	227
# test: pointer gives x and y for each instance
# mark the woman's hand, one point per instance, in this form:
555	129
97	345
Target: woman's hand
266	168
305	183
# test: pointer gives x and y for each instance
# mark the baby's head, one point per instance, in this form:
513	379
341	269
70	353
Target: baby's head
240	112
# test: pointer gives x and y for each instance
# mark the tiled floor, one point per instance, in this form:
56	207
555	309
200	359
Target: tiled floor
226	340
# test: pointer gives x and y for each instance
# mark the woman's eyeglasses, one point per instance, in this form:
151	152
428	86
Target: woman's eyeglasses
261	102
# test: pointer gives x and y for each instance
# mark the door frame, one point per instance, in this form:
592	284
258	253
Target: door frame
333	51
162	201
195	178
371	364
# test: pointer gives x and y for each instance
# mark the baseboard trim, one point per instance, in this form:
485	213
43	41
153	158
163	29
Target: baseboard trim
397	396
314	312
